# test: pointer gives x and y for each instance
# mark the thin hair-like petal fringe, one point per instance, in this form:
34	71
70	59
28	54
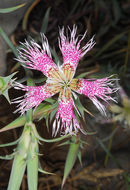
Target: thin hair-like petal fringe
65	120
70	48
32	56
33	97
101	89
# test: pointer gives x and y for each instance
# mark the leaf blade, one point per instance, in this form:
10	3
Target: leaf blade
11	9
7	40
70	160
17	172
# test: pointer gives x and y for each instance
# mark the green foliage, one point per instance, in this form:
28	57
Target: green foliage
17	172
45	21
20	160
75	146
32	163
11	9
7	40
71	158
5	85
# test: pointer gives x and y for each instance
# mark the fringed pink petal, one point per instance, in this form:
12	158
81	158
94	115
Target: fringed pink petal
33	97
34	57
65	120
101	88
70	48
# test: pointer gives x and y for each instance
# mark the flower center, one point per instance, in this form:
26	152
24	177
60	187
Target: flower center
65	84
61	80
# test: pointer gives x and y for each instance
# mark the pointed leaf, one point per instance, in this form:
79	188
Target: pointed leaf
45	172
45	21
47	140
80	157
53	140
32	173
52	114
17	172
83	75
41	110
14	124
11	9
5	85
64	143
7	40
8	157
56	57
70	160
6	95
32	163
10	144
108	152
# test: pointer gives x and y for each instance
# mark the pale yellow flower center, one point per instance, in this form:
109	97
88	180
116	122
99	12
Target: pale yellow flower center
61	80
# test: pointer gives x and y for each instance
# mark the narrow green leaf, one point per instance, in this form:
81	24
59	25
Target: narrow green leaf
108	152
10	144
32	173
83	74
109	146
47	122
17	172
45	21
7	40
64	143
6	84
80	157
32	162
45	172
8	157
52	114
79	106
70	160
114	159
56	57
29	113
53	140
42	110
14	124
6	95
47	140
11	9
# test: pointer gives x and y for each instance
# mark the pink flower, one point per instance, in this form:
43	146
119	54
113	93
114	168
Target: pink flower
60	80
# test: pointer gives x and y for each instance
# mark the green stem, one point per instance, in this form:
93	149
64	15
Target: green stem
29	112
109	145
